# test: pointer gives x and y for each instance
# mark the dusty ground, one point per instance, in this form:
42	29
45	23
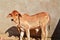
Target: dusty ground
5	37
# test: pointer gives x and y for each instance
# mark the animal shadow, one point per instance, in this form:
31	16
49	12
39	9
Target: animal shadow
56	33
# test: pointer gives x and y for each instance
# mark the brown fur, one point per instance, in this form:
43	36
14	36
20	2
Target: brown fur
30	22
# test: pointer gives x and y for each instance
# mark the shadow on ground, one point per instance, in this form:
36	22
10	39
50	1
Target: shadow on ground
56	34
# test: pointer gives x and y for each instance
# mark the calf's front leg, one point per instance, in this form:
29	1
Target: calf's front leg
22	34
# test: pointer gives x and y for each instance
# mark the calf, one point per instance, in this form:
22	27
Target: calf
41	20
13	31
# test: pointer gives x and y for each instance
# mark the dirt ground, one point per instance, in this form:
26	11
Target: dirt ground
5	37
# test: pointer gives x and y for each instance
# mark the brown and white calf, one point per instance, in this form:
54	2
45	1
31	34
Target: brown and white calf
27	22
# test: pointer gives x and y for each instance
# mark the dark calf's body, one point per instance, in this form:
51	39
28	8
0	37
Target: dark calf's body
13	31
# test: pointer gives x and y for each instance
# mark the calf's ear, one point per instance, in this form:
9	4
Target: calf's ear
9	15
20	15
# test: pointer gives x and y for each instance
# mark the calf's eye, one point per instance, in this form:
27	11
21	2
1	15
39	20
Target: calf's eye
12	19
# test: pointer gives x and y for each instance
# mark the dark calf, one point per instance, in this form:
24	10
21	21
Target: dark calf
13	31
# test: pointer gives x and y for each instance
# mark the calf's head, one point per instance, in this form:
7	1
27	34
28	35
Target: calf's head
14	15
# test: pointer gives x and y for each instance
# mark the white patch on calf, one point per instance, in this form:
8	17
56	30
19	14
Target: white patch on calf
37	30
22	34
